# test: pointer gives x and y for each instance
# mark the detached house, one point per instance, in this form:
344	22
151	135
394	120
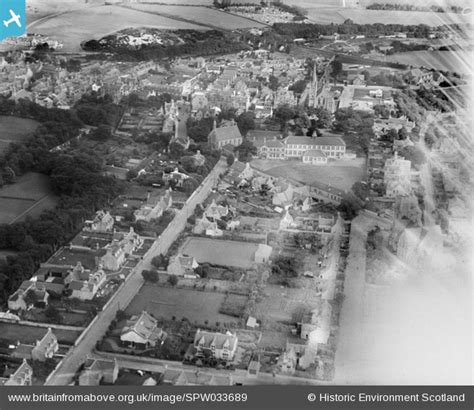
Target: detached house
154	208
98	370
182	265
114	255
30	293
84	283
102	222
43	349
216	212
142	331
20	377
217	345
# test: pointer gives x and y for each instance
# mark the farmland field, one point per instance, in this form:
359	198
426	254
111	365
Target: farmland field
14	332
220	252
168	302
30	195
460	62
15	129
74	27
202	15
339	176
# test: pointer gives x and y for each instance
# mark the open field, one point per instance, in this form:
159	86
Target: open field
14	332
74	27
220	252
460	62
419	3
341	176
15	129
363	16
38	9
196	306
279	303
201	15
30	195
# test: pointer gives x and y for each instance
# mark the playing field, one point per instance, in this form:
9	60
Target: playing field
74	27
220	252
29	196
15	129
341	176
168	302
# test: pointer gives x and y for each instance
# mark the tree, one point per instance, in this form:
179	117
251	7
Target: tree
413	154
101	133
298	87
159	261
361	190
402	133
189	185
246	122
230	159
150	275
188	163
176	150
53	314
246	151
349	207
173	280
273	83
336	69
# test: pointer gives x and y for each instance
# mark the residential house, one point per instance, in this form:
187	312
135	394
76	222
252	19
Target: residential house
114	255
216	212
142	331
22	376
418	77
84	283
228	135
43	349
30	293
102	222
332	147
263	253
287	221
174	178
96	371
217	345
182	265
154	208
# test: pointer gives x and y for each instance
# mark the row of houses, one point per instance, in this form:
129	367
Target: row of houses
79	270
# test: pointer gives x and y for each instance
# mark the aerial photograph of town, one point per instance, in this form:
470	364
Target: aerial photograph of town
237	193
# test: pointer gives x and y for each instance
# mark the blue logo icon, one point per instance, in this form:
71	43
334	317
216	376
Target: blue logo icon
12	18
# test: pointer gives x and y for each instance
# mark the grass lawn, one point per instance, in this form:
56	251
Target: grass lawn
16	129
220	252
279	303
196	306
341	176
30	195
29	334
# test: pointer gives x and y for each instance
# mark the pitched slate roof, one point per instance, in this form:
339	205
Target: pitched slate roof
143	325
226	133
219	340
314	153
328	141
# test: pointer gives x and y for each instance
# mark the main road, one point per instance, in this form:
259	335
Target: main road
67	368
